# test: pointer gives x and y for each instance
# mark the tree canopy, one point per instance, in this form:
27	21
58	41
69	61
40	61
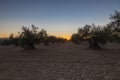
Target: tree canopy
96	35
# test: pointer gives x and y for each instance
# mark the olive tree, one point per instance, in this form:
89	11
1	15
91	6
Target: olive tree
95	35
28	37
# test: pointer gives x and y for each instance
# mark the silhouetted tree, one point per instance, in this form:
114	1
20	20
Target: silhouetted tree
5	42
28	38
95	35
61	40
11	38
76	38
52	39
115	25
116	18
98	35
43	37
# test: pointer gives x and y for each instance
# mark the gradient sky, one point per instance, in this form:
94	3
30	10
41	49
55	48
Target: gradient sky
59	17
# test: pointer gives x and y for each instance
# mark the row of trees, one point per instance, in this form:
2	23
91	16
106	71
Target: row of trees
28	38
93	34
96	35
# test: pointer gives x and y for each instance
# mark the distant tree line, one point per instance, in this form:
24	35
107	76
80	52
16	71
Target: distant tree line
96	35
28	38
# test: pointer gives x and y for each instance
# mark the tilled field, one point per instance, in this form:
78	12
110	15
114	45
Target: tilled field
59	62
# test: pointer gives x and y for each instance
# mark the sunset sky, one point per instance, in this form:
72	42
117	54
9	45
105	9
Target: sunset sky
58	17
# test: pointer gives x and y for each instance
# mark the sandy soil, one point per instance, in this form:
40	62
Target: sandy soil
60	62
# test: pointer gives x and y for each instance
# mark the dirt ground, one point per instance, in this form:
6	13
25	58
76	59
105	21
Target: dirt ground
60	62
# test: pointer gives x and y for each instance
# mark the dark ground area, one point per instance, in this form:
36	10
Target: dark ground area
59	62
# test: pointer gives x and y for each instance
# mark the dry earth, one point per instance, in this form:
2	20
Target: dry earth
60	62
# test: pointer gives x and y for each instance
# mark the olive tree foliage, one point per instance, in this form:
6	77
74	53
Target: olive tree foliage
7	41
115	26
28	37
13	39
99	35
116	18
49	39
76	38
53	39
96	35
42	37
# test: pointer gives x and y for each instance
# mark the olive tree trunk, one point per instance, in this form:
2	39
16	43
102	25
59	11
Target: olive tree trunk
93	44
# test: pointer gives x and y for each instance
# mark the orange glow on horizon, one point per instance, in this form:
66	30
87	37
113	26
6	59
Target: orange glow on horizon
4	35
63	35
66	36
